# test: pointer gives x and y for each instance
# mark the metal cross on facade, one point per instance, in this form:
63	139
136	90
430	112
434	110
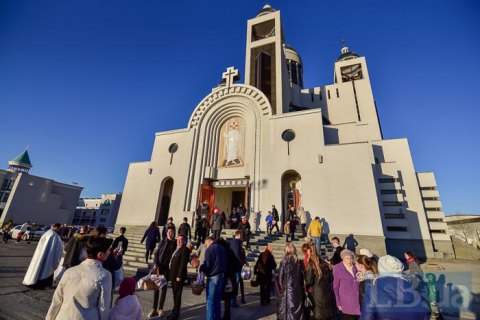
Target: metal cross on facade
230	76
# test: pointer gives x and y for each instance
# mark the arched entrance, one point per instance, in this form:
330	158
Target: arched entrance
291	191
164	198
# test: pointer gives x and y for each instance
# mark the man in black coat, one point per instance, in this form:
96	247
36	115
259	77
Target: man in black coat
276	218
121	242
161	258
241	259
335	259
178	274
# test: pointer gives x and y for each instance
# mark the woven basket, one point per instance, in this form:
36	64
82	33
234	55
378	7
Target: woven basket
149	284
253	282
197	288
195	262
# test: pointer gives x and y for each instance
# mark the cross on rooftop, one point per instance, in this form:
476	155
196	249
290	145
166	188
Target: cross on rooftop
230	76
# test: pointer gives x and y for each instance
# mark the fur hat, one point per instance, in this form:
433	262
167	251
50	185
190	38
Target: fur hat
389	264
366	252
127	287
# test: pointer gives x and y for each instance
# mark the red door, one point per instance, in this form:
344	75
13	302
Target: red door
207	193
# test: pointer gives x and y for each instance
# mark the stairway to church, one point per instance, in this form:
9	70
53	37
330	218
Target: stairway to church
134	258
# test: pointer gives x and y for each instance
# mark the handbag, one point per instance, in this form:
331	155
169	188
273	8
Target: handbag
254	282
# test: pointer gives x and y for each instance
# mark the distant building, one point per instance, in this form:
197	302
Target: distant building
98	211
24	197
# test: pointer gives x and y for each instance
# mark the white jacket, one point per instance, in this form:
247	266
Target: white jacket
83	293
127	308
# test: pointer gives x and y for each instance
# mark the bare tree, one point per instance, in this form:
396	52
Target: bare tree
465	229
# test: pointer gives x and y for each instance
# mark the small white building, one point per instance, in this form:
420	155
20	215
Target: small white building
24	197
269	141
98	211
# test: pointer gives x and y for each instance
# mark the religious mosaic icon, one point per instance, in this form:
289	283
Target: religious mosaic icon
232	142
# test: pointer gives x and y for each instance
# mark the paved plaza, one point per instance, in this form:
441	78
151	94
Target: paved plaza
18	302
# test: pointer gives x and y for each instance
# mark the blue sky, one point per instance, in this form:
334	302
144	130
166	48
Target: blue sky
87	83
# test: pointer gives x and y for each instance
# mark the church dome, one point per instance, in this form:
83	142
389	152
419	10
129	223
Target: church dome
266	9
292	54
347	54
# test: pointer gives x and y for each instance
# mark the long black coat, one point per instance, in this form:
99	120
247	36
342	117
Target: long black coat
292	292
178	264
322	291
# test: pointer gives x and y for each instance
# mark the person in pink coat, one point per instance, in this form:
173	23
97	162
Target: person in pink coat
127	306
345	286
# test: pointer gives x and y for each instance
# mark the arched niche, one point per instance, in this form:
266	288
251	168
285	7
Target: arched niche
291	190
164	200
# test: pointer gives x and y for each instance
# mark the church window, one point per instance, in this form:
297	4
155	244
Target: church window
428	188
353	72
392	203
150	170
294	72
263	30
387	180
394	216
328	93
338	94
300	76
263	73
288	135
172	149
395	228
390	191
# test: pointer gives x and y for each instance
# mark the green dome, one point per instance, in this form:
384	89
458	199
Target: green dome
22	160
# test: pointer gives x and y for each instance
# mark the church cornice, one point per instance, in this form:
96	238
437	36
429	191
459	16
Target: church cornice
223	93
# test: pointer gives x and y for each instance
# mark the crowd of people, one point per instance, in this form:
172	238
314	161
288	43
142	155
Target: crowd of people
346	286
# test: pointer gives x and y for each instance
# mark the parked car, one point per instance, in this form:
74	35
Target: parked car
40	231
16	230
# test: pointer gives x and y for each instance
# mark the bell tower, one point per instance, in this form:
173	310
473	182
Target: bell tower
265	66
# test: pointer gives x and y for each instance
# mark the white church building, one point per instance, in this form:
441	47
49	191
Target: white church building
270	141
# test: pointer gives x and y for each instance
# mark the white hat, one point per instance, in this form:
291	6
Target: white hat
366	252
389	264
